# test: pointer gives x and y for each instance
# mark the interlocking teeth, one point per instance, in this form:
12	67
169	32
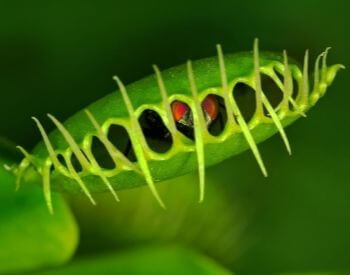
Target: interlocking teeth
166	104
259	112
233	110
45	171
306	85
98	171
136	137
49	147
71	142
23	166
288	85
47	187
199	130
323	77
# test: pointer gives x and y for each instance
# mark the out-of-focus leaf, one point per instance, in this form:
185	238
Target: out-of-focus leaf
318	273
214	227
30	237
151	260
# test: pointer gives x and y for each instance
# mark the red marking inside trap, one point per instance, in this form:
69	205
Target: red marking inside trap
179	109
211	107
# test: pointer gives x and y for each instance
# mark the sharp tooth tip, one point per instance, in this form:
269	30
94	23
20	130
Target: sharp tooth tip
265	173
160	201
115	197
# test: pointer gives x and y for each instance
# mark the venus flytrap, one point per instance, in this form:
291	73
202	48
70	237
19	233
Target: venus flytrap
67	161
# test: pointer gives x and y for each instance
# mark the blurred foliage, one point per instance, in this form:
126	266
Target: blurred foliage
59	56
319	273
30	237
150	260
215	227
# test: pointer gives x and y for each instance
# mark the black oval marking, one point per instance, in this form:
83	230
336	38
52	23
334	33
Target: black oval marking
246	100
156	133
120	138
101	154
272	92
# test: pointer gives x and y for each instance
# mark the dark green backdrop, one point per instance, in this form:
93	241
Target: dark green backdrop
58	56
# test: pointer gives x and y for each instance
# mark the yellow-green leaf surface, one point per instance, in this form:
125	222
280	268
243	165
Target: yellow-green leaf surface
30	237
318	273
156	260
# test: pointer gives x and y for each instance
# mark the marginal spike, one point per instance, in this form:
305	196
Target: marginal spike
46	187
291	100
18	179
296	107
112	150
288	84
49	147
199	130
317	72
259	105
331	73
223	76
25	153
324	60
250	140
29	157
264	100
22	167
234	110
277	122
305	88
166	103
99	171
324	72
126	98
71	142
136	135
109	186
79	180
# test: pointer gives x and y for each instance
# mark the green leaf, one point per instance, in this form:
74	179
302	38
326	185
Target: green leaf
151	260
30	237
318	273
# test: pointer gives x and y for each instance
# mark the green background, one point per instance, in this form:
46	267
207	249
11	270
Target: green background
59	56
